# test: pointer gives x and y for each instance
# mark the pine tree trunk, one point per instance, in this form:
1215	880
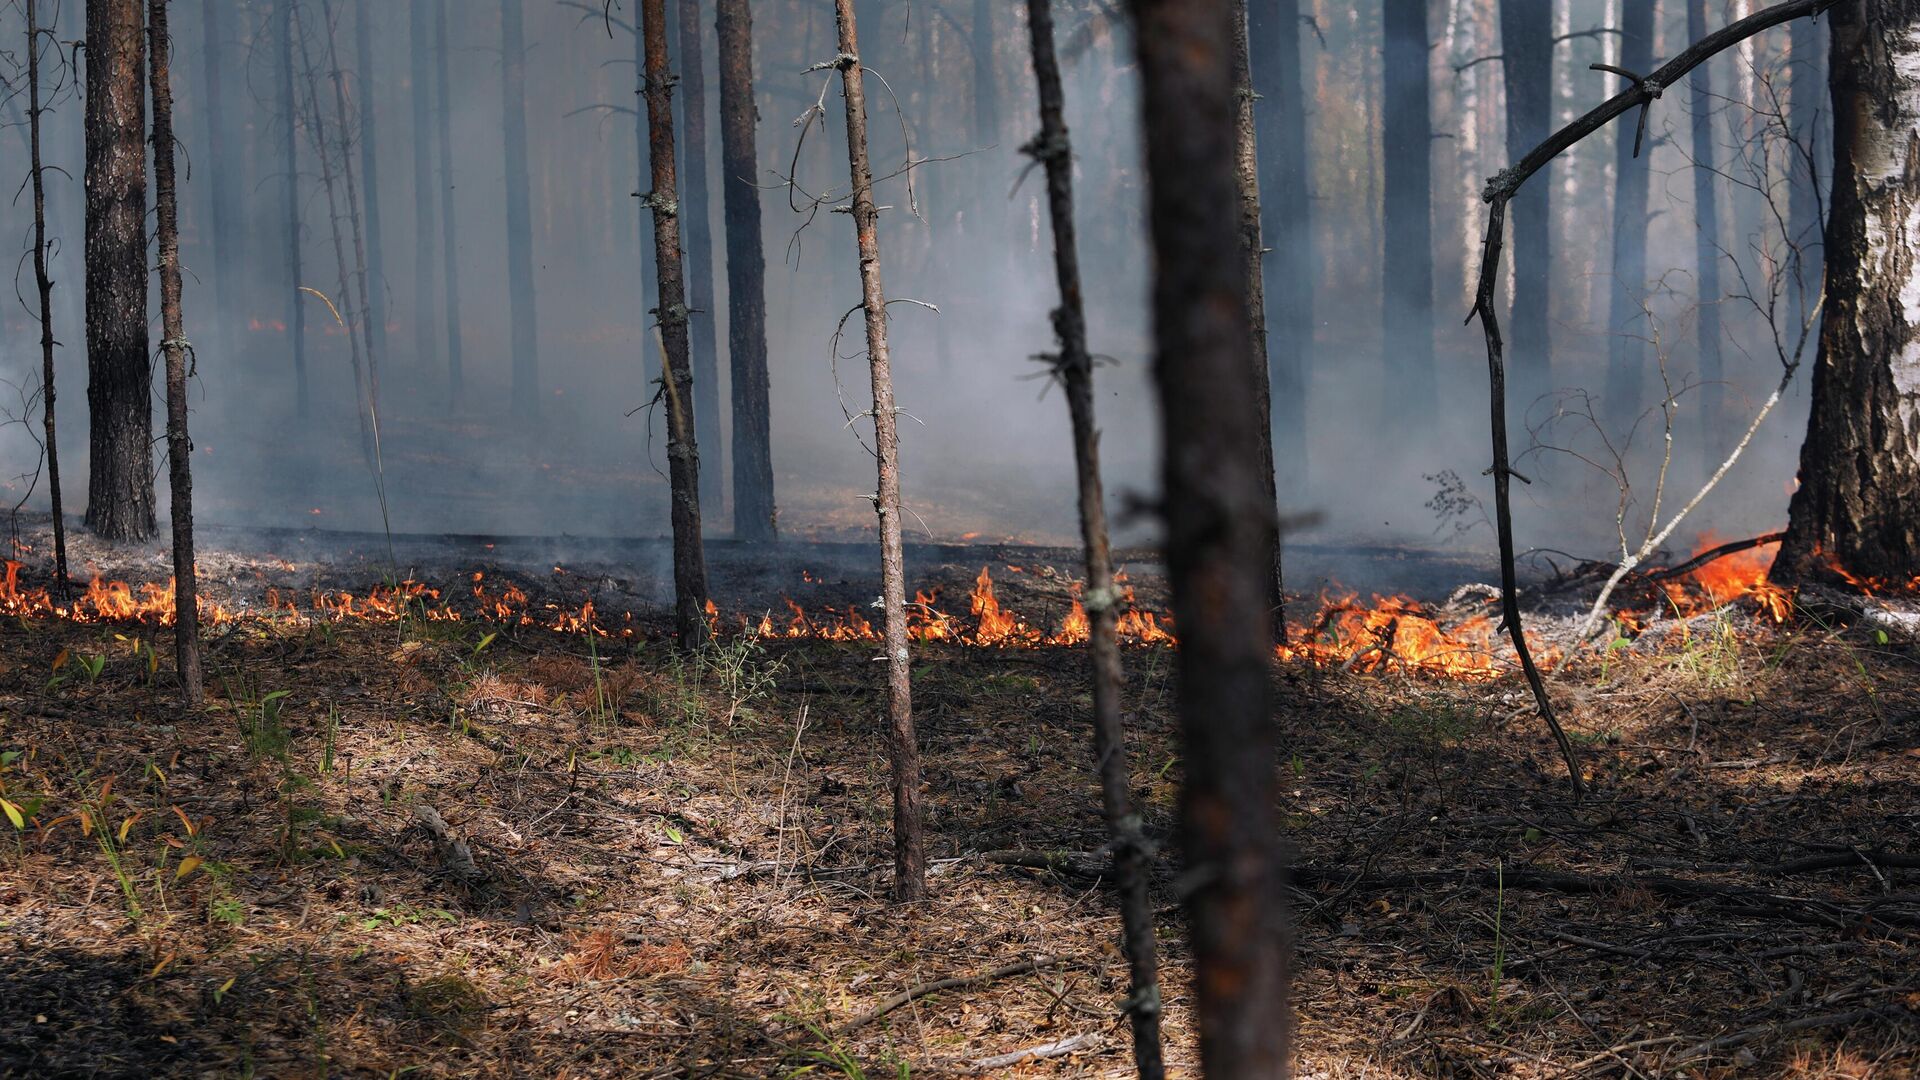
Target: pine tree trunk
755	516
186	610
1407	137
222	163
288	110
1074	368
1220	539
119	366
1273	38
1253	255
1626	321
521	304
649	272
44	286
1526	46
1858	506
909	846
366	114
697	237
426	352
677	389
449	237
1715	424
343	114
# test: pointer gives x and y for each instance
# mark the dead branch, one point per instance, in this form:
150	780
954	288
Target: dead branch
956	982
1720	552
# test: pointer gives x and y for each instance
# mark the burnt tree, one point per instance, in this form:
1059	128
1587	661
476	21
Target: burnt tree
909	846
697	251
426	352
1526	47
1220	538
1073	367
119	366
43	285
1286	226
1627	328
366	116
676	382
1858	505
449	238
522	307
754	511
1407	205
173	344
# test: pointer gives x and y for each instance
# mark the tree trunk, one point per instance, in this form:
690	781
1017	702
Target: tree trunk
986	84
44	285
1273	38
520	296
909	847
1526	46
343	116
1253	253
1716	427
1858	506
648	271
364	112
1806	96
225	205
697	238
186	609
683	455
1074	368
1627	322
449	238
288	110
426	353
755	516
119	367
1407	138
1220	539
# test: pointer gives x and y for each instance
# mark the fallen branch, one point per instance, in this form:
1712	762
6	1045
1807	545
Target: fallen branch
456	858
1892	860
1075	863
954	983
1720	552
1056	1048
1787	1027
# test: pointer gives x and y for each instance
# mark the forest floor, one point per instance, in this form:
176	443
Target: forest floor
679	865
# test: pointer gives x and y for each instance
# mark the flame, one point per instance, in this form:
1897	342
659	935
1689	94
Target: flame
1739	576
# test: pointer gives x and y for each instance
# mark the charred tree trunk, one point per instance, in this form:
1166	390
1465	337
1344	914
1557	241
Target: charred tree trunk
1716	427
755	516
1273	39
1858	506
1806	96
1627	324
364	112
1074	368
186	609
449	238
1253	254
697	238
119	367
1526	46
1407	139
44	286
909	846
426	353
1220	539
290	193
225	203
676	384
520	296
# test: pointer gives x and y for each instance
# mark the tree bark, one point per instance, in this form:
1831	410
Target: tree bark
186	609
44	286
755	515
366	114
119	367
1626	322
225	206
1253	254
1716	427
697	239
909	846
1858	506
449	237
683	455
343	115
521	304
1273	38
1074	368
1220	539
426	352
1806	97
288	110
1526	45
1407	139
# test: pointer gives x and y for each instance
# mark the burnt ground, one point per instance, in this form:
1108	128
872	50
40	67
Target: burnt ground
681	863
